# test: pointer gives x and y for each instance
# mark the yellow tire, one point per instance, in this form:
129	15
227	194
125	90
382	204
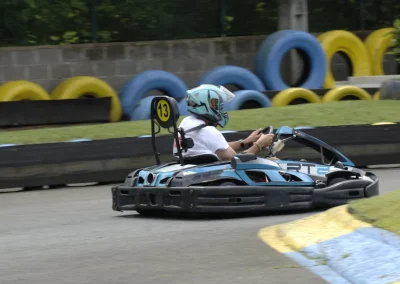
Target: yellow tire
383	123
76	87
287	96
22	90
337	94
377	44
377	96
350	45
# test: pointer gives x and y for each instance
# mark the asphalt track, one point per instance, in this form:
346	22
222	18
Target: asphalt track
71	235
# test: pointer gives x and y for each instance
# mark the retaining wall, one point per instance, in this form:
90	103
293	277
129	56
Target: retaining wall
116	63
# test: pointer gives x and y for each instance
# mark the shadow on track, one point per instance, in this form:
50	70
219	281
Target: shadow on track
216	216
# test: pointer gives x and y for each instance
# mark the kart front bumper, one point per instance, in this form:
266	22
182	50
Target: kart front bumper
235	199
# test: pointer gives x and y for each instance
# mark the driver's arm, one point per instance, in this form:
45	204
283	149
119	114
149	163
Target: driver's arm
235	145
225	154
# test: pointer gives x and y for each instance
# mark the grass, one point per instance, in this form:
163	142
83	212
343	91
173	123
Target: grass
327	114
381	211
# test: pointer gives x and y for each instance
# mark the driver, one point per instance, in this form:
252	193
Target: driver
205	103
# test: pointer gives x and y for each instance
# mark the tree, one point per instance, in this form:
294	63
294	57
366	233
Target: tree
395	45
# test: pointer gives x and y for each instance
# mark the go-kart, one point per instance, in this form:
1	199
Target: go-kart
247	183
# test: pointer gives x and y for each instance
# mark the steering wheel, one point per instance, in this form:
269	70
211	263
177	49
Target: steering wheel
268	130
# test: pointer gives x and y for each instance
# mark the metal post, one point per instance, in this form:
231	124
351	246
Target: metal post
222	6
293	14
361	15
94	20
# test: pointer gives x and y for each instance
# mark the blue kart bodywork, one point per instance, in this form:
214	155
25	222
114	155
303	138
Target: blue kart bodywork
247	183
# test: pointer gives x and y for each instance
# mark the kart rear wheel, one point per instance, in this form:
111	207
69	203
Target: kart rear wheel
150	213
336	180
227	183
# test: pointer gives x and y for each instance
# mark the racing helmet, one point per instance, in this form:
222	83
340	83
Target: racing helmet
207	101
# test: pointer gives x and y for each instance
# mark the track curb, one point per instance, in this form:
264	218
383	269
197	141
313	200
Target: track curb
334	245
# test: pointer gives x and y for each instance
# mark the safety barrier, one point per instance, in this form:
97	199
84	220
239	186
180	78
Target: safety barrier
275	46
26	103
111	160
22	90
365	57
77	87
32	113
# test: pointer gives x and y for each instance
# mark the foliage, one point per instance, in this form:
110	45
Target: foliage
45	22
395	44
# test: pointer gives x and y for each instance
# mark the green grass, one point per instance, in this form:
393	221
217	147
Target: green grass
380	211
328	114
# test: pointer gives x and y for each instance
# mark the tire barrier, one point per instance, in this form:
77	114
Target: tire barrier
22	90
383	123
295	96
345	93
377	44
248	99
147	81
365	57
352	47
390	90
244	99
233	75
183	107
77	87
142	109
273	49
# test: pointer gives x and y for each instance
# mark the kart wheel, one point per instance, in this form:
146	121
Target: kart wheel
336	180
227	183
150	213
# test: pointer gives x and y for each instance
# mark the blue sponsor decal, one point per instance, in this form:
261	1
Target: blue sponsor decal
322	170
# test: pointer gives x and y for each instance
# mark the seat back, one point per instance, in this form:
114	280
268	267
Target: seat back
165	114
201	159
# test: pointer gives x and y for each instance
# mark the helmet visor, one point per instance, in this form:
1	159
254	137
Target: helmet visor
228	95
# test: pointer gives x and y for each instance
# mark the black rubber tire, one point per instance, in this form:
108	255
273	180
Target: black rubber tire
150	213
336	180
227	183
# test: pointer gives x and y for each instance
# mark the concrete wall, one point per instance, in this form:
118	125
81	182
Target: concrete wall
116	63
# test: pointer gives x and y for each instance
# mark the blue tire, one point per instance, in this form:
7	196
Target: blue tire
390	90
183	107
274	47
140	85
142	110
245	99
233	75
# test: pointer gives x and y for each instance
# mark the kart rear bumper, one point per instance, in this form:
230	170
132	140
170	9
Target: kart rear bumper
217	199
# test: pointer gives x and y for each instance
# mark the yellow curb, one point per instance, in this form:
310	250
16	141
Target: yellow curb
342	216
270	237
297	235
383	123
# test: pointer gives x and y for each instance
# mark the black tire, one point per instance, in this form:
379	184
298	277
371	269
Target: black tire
336	180
227	183
150	213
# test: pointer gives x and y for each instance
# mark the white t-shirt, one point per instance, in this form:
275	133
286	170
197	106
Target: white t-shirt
207	140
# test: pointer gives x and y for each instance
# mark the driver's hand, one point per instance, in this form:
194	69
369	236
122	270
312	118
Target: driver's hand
266	140
253	137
